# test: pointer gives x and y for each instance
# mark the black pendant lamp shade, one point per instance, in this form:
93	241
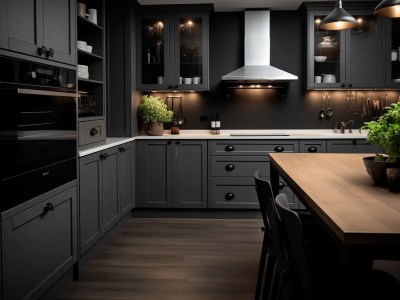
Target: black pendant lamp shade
388	9
338	19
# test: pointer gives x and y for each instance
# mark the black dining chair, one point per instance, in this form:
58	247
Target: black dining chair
315	269
273	267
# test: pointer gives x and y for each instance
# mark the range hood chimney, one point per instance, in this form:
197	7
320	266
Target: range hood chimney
257	68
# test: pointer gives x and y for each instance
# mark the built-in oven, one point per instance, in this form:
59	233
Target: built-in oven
38	136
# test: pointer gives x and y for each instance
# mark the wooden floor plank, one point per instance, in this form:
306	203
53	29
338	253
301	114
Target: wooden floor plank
188	259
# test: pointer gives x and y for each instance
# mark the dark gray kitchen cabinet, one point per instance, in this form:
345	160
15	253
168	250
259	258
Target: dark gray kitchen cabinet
39	245
392	44
40	28
232	167
172	52
354	57
351	146
106	192
312	146
172	173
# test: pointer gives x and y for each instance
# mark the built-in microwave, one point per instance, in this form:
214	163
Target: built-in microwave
38	136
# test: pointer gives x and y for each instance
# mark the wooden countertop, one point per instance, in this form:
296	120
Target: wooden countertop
339	190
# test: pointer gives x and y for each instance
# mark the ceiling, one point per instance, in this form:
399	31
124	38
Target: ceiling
237	5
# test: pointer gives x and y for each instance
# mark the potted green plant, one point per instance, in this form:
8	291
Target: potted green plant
385	132
154	112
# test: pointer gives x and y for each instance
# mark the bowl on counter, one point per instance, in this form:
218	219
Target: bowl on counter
320	58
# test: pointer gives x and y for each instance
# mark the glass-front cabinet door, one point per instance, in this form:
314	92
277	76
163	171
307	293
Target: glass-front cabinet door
345	58
173	52
191	52
326	54
392	53
153	63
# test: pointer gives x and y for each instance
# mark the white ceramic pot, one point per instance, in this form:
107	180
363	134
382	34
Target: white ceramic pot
328	78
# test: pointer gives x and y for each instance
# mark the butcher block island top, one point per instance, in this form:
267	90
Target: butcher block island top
339	190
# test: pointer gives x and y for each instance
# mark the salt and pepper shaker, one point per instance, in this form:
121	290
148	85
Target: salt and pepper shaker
212	124
217	124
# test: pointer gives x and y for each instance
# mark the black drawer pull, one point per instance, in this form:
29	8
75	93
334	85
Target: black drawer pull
49	207
93	131
42	50
103	156
279	149
229	196
312	149
281	185
121	149
177	143
230	167
229	148
50	53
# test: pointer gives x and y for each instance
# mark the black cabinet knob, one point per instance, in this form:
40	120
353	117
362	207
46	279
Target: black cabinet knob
50	52
93	131
229	167
229	196
350	85
312	149
49	207
103	156
42	50
342	85
176	87
281	185
170	87
229	148
169	143
177	142
121	149
279	149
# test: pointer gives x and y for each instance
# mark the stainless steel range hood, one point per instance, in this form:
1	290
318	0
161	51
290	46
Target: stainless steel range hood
257	68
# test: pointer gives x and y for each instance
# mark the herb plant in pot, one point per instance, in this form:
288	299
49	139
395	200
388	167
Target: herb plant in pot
154	112
385	132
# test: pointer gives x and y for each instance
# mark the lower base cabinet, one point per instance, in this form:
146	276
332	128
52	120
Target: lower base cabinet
106	192
172	174
39	245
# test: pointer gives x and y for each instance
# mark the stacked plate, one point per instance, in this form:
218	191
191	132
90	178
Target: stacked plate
82	45
83	71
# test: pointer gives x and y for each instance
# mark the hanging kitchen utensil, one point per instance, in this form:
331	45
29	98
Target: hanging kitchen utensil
355	105
364	106
180	117
369	108
329	110
386	100
322	112
348	101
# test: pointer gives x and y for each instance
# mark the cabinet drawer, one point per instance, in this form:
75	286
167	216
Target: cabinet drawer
313	146
92	132
258	147
351	146
239	193
242	166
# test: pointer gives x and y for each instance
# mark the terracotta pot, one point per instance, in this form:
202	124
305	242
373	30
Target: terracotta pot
155	128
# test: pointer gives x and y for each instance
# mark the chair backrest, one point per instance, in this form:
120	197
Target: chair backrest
268	210
293	240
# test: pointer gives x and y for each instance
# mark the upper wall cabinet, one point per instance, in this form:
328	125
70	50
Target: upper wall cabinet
392	53
173	51
42	29
346	58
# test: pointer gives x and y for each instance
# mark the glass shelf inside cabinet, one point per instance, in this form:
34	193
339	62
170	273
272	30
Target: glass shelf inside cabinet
153	47
327	60
190	49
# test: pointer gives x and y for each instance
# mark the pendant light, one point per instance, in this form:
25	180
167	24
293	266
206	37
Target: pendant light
338	19
388	9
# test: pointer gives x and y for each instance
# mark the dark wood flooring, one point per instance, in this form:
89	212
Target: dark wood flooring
188	259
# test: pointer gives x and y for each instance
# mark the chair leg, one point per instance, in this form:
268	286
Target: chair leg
274	286
261	267
268	276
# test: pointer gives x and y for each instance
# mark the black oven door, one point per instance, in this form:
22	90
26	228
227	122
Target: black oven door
38	143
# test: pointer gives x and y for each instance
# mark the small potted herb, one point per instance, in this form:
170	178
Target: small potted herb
385	132
154	112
